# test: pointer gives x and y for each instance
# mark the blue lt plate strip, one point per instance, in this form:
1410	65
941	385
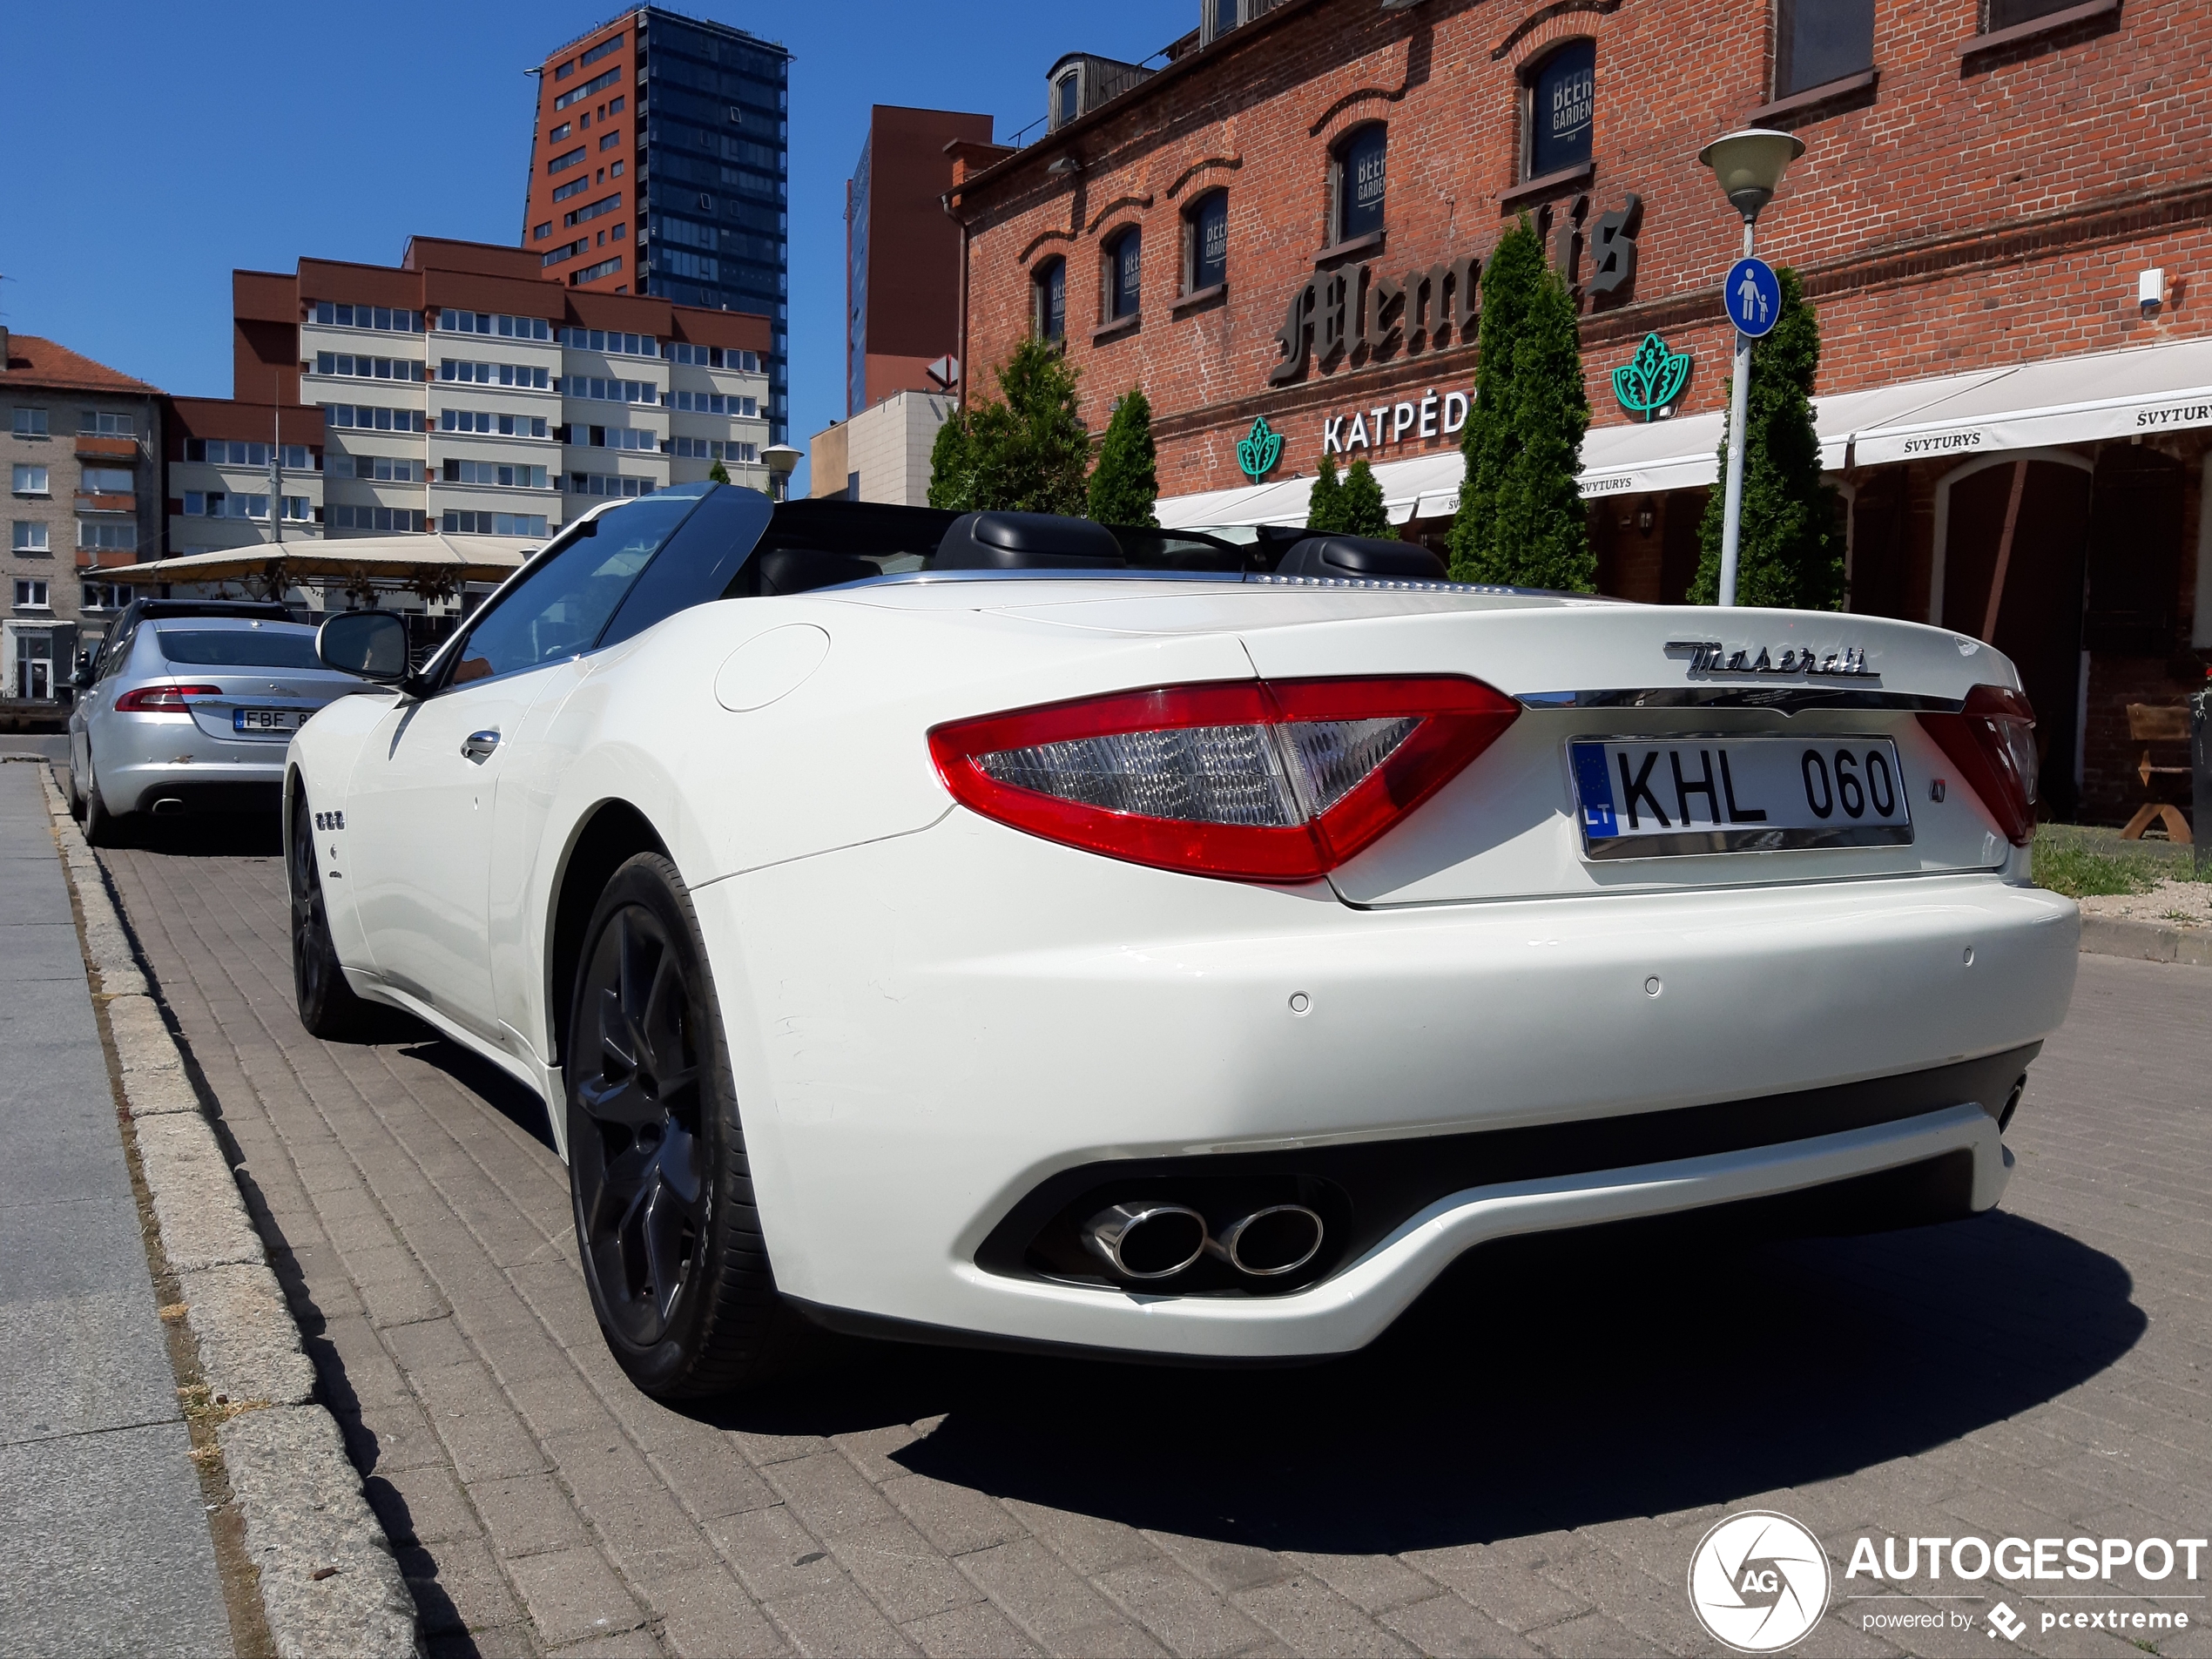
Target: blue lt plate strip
1594	786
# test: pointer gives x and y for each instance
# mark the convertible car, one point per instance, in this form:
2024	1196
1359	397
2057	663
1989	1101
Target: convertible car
1002	929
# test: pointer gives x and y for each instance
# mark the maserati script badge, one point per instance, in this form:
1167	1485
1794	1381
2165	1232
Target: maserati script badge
1711	657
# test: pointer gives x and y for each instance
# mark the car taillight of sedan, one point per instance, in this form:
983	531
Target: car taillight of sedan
162	699
1253	780
1991	741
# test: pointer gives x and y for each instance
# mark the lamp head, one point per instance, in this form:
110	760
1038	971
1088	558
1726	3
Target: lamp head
1748	165
781	459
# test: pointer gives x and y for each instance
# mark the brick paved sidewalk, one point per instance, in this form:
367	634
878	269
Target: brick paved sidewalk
1523	1465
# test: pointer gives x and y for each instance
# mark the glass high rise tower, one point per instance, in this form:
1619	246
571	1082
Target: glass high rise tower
660	165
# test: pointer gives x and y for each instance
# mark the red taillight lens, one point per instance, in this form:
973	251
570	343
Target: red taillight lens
1991	741
1249	779
162	699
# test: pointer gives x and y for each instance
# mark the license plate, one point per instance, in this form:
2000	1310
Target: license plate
266	719
1639	800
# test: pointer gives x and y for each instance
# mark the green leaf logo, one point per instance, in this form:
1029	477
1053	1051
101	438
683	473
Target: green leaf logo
1257	454
1652	379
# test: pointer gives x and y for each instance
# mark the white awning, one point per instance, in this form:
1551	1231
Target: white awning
2063	399
401	560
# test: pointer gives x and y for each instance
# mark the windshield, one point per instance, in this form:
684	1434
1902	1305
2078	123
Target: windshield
238	647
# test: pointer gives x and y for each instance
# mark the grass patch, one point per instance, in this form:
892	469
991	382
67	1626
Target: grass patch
2070	864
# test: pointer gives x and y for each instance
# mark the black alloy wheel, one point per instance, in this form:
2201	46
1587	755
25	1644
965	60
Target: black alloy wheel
328	1008
665	1217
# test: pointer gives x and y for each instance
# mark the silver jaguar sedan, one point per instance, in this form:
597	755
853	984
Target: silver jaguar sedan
188	709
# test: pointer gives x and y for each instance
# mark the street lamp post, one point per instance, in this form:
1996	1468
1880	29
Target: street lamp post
1748	165
783	461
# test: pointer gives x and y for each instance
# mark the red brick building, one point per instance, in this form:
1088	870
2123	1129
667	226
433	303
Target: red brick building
2002	210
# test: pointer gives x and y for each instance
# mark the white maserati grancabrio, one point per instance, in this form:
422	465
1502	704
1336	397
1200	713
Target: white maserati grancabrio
1000	929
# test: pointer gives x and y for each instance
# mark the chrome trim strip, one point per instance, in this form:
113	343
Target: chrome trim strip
1779	699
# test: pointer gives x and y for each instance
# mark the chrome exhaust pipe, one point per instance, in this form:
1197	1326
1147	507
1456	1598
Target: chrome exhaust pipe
1143	1240
1270	1243
168	805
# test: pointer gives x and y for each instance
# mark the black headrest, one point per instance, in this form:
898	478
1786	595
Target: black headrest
1027	542
1362	555
800	570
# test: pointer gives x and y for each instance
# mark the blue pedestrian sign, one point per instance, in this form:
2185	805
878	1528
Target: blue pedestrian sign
1753	297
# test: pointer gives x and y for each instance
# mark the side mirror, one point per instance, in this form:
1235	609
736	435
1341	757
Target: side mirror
370	644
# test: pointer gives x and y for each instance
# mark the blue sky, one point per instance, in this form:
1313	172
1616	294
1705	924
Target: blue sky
153	148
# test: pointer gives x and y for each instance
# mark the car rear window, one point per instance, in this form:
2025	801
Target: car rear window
237	648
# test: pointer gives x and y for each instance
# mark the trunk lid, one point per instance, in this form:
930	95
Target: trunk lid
1690	683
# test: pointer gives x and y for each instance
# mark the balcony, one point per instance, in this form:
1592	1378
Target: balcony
124	450
94	502
106	558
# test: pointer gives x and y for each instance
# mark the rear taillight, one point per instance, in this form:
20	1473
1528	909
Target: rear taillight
1991	741
162	699
1250	779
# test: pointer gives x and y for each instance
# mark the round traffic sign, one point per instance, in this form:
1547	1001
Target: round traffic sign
1753	297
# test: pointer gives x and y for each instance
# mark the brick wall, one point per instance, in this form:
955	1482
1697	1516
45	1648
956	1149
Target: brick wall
1972	211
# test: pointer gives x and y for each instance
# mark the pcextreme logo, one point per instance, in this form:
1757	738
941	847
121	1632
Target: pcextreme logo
1758	1581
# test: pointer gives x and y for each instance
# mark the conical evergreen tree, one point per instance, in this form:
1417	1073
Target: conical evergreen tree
1789	550
1026	451
1359	505
1126	482
718	473
1324	505
1522	521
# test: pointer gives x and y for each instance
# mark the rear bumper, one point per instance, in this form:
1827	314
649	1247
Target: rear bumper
143	761
928	1029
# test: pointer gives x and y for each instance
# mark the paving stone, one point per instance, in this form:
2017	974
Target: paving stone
1187	1616
977	1631
526	1515
955	1519
828	1495
1055	1606
1308	1617
837	1621
572	1595
1452	1628
706	1613
901	1572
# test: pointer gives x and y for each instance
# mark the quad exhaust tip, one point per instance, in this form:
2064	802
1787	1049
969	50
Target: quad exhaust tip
1272	1242
1145	1240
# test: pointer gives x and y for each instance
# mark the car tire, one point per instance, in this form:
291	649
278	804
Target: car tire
101	827
76	792
328	1008
658	1173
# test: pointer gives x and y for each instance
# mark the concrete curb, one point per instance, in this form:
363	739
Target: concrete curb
2146	942
329	1583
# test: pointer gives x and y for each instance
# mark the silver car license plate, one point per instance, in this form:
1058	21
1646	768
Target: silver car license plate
266	720
1636	798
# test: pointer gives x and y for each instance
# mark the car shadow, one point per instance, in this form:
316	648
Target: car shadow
513	1099
203	835
1542	1384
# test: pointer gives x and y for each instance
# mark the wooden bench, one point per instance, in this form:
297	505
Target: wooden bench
2148	724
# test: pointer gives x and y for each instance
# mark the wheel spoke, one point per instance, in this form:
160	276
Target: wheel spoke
679	1167
618	1100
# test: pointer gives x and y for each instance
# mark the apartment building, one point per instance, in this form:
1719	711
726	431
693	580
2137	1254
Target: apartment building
460	391
659	165
227	461
83	496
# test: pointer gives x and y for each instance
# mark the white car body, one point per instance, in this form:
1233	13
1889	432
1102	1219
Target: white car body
932	1015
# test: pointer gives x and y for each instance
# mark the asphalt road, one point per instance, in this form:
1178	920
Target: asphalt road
1524	1464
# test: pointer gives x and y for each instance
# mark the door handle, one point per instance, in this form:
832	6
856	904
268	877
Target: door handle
478	745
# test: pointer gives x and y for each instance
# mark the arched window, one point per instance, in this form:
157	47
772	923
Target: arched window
1357	197
1048	300
1070	99
1561	104
1205	241
1124	270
